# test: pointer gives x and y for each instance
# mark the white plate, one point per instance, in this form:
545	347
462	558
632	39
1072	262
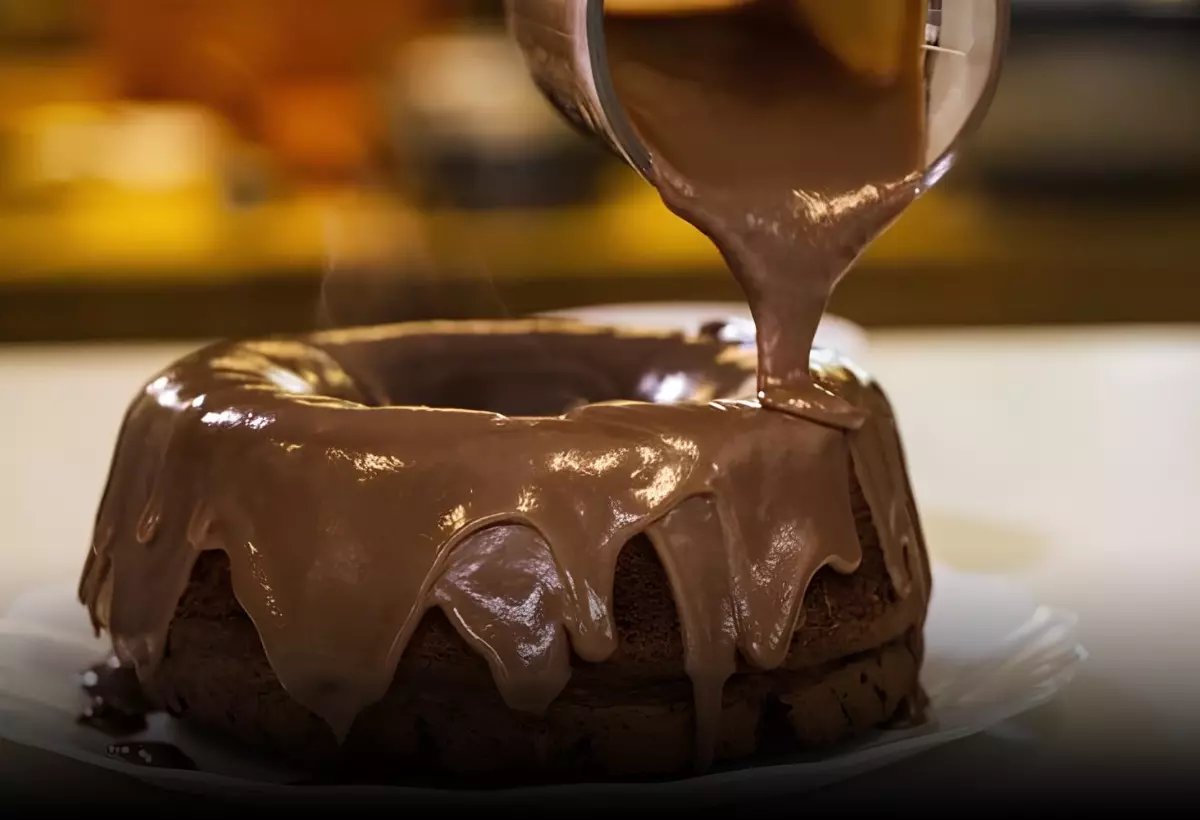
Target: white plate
992	654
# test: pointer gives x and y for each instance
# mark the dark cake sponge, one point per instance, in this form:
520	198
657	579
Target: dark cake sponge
853	665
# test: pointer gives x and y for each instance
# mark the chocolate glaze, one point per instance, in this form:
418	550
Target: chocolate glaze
346	518
786	159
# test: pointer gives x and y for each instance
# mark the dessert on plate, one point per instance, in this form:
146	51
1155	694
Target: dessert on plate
546	549
533	548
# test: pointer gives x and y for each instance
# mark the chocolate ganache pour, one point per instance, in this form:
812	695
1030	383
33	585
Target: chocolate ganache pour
788	159
358	478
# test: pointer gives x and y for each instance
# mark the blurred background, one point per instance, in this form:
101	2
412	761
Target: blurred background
198	168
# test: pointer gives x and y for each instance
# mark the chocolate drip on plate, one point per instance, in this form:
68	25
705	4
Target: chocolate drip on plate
116	704
153	755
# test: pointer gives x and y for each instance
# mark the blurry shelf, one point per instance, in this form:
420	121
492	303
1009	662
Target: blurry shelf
174	268
172	239
90	262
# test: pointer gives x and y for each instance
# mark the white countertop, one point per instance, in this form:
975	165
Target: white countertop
1069	460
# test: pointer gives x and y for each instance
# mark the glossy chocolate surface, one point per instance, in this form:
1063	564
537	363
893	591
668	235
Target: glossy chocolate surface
788	160
346	518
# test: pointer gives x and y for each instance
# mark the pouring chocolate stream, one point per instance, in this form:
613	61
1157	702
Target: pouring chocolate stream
790	161
792	133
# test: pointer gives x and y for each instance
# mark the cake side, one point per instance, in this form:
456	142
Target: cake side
344	525
853	666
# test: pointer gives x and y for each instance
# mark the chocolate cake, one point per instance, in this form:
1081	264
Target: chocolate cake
540	549
602	562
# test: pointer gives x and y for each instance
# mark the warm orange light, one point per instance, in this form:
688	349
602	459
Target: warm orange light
670	6
873	38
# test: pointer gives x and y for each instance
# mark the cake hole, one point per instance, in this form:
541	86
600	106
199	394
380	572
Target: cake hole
538	374
543	392
527	392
